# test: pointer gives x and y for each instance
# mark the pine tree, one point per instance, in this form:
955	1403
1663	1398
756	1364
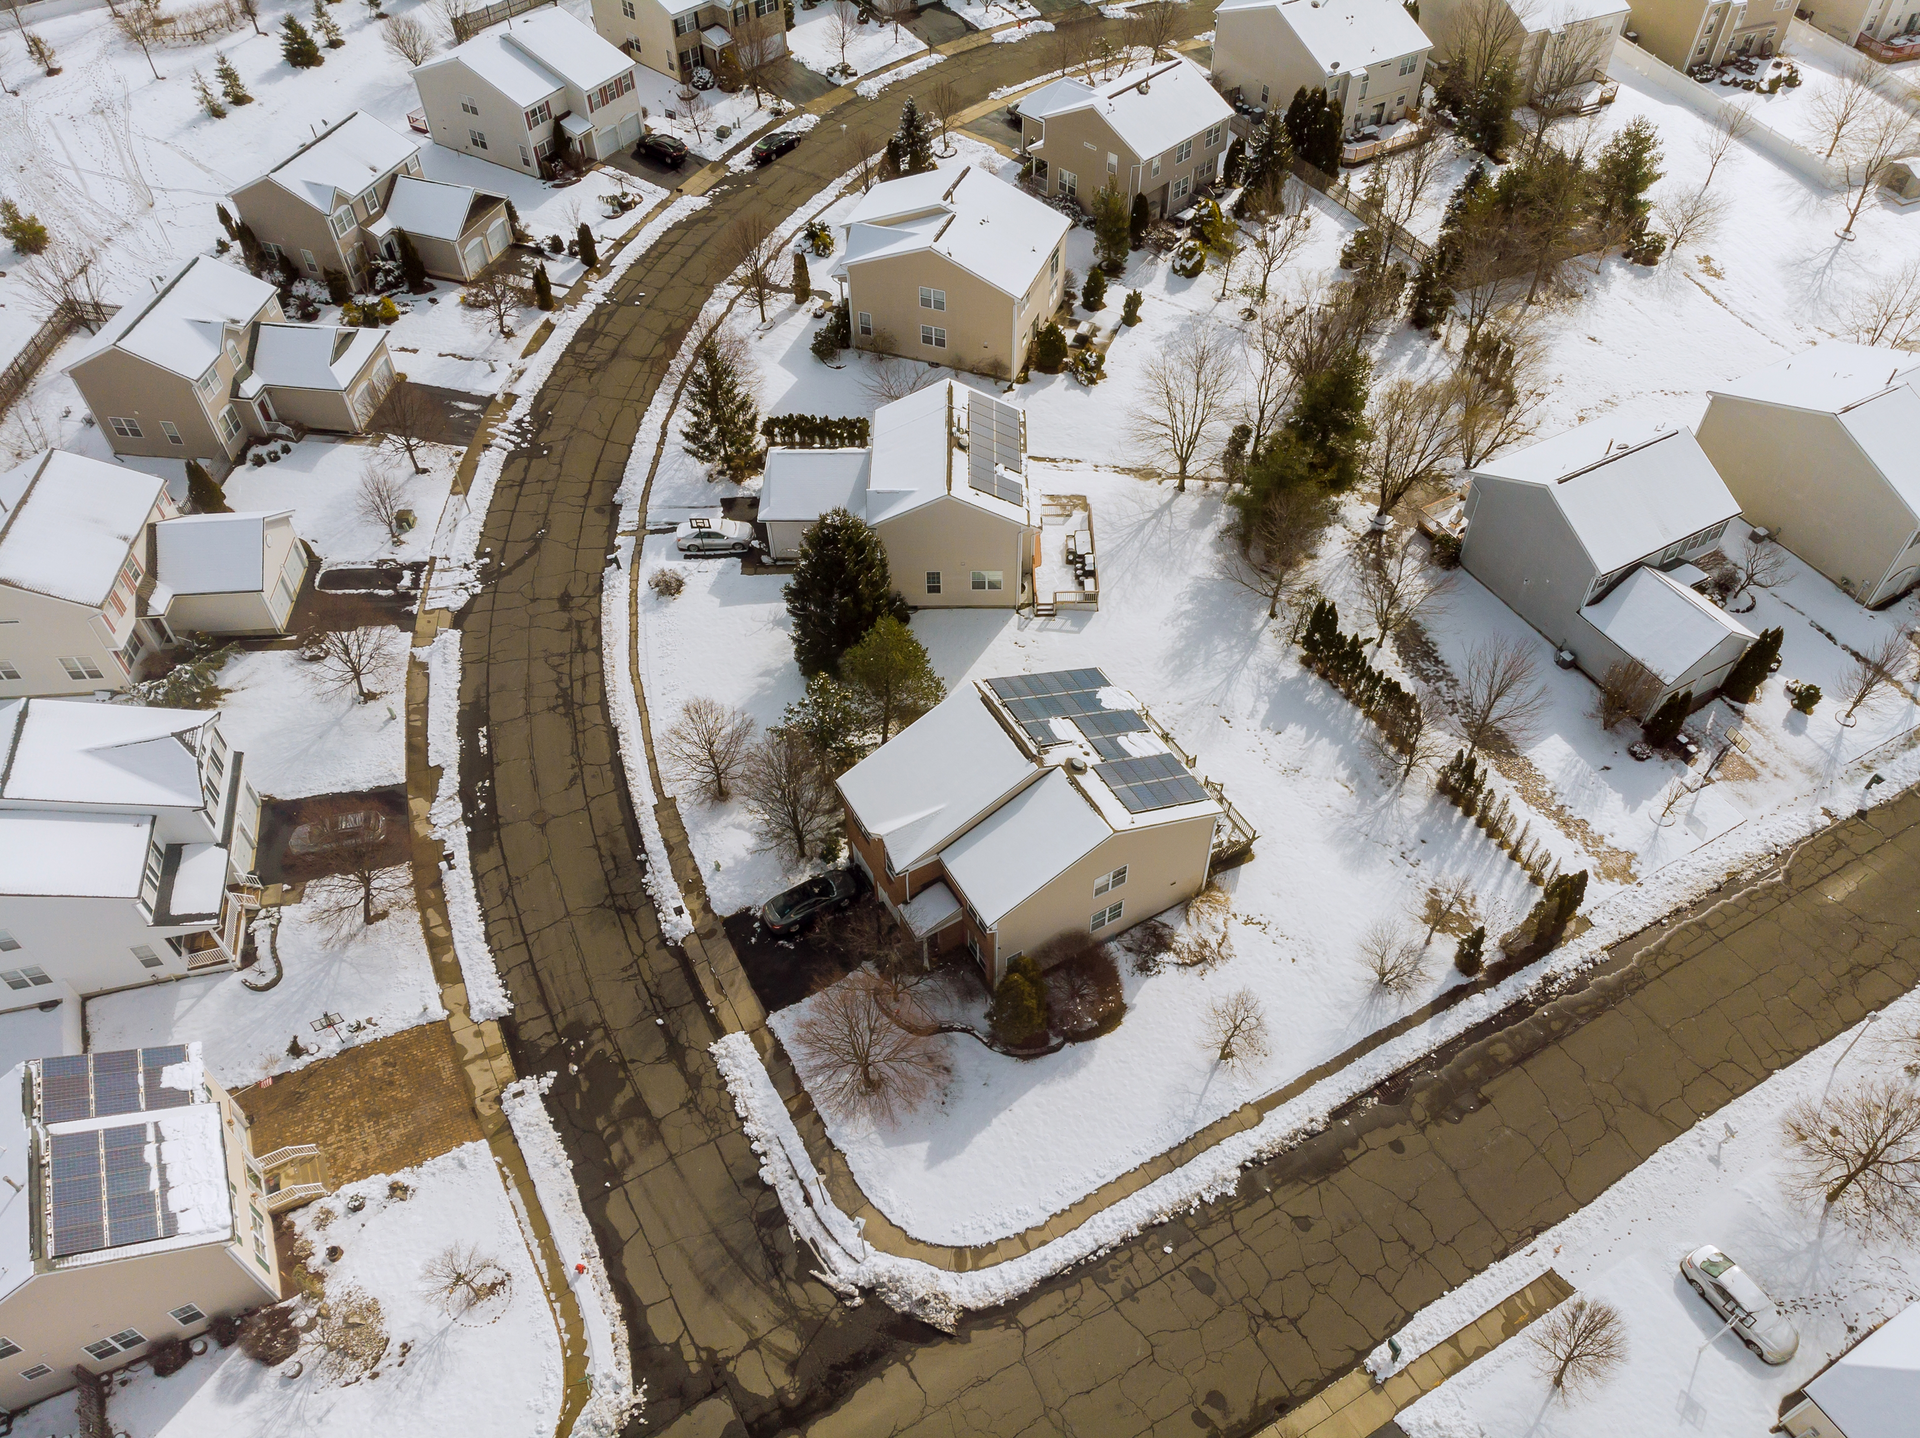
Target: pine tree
226	221
1138	222
723	423
910	150
23	231
840	589
1624	173
231	85
1667	719
1130	311
1093	296
1432	291
339	287
1750	670
412	268
1049	350
542	288
1112	231
1269	149
203	490
1018	1013
831	719
1468	957
326	25
1313	129
802	281
210	102
1329	419
1489	117
297	45
589	252
891	677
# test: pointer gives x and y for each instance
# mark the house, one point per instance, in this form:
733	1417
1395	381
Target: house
1028	807
134	1211
1160	130
1593	540
677	42
1369	55
1566	28
529	90
1819	449
1850	21
209	364
237	573
944	486
953	266
341	199
1870	1391
127	838
1687	33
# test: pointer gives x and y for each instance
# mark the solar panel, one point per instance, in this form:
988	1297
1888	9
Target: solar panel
65	1090
1111	721
116	1082
107	1190
79	1218
994	453
1108	747
153	1063
1154	781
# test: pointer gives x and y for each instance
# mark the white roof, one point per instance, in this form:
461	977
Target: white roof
30	1032
180	328
1023	845
53	855
345	159
1559	14
325	357
199	882
16	1193
1872	1389
803	484
1661	623
431	208
979	222
121	756
1624	496
936	777
529	57
68	522
1345	35
1151	108
214	553
930	910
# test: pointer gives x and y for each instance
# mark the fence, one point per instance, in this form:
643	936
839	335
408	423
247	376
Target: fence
467	23
67	316
1892	85
1341	195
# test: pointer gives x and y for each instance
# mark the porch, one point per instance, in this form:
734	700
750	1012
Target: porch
1065	571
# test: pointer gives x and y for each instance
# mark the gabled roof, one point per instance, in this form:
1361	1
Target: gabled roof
1024	845
1344	35
1662	623
181	327
803	484
433	208
1623	498
118	756
214	553
1151	108
529	57
982	224
1872	1389
344	159
68	522
324	357
49	854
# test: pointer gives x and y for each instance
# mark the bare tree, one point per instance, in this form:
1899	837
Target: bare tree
407	419
1488	283
407	37
1579	1345
1503	701
754	248
1413	429
66	275
454	19
1236	1029
1859	1156
859	154
857	1046
1629	691
1874	144
381	497
1396	584
1497	389
353	661
1410	176
708	746
788	786
250	9
366	883
1756	564
1688	217
1185	390
1154	27
140	23
944	104
1395	958
1886	310
1838	110
500	291
895	13
460	1278
697	111
760	50
349	1332
1732	124
843	28
1279	540
1406	738
1271	382
1478	36
1887	665
1571	56
1277	225
893	378
1442	901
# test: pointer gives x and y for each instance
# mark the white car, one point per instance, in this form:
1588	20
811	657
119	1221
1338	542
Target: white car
700	535
1754	1318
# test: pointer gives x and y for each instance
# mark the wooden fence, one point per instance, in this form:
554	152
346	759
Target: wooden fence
68	316
1342	195
470	22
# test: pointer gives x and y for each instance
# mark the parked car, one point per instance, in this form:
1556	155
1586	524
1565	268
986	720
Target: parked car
773	146
792	910
665	149
1755	1318
337	831
700	535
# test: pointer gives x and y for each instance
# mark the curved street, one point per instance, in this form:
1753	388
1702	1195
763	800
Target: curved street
1216	1321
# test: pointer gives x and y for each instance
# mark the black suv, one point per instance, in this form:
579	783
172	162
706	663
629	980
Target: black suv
792	910
666	149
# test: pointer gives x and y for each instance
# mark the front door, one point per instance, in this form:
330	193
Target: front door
265	408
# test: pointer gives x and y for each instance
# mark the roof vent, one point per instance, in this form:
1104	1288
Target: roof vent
1142	87
1076	765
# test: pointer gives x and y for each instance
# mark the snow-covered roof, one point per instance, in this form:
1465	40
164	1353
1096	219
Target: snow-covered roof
214	553
433	208
1150	108
1872	1389
930	910
979	222
16	1192
119	756
343	160
181	327
1024	845
1344	35
1624	497
325	357
199	882
47	1022
1661	623
68	522
48	854
1558	15
935	778
803	484
529	57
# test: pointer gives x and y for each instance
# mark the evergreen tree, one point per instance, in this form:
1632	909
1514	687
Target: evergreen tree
1018	1013
831	719
1750	670
210	102
23	231
297	45
255	258
802	281
542	288
840	589
1329	419
1667	719
339	287
1432	297
1138	221
1488	118
723	423
1112	232
1469	958
1093	296
327	27
514	226
231	85
226	221
1313	129
203	490
1049	350
589	252
1625	171
910	149
1269	149
1130	311
891	677
413	269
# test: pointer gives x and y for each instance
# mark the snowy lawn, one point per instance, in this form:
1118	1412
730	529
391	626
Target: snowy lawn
378	980
1796	112
829	35
698	116
300	741
320	482
1720	1183
985	14
494	1372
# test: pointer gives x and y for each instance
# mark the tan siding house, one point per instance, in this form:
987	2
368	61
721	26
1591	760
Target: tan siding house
1686	33
1570	27
228	573
676	42
1369	55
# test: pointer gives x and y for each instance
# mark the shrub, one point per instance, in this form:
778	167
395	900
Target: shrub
1189	258
23	231
1664	727
1094	296
833	336
167	1356
1084	993
1145	945
268	1336
203	490
667	583
584	243
1049	350
817	431
542	288
1803	696
1018	1014
224	1329
1130	311
819	236
1087	366
339	289
297	45
1469	958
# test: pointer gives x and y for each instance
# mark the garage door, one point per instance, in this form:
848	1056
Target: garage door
629	130
498	238
476	256
606	143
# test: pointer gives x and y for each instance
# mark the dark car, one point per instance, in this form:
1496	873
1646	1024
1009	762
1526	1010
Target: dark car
338	831
666	149
774	146
793	909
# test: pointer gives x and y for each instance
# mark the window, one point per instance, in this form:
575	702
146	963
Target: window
477	138
342	220
156	861
7	671
313	265
626	8
526	160
1053	265
8	943
988	579
933	581
1040	170
39	1370
469	105
539	114
26	977
147	957
866	325
1214	134
81	667
1263	94
186	1313
1110	881
932	299
1103	917
765	7
1183	153
684	24
172	434
739	14
1181	186
125	428
129	1338
1113	163
1407	63
210	381
8	1348
1155	172
934	336
370	200
229	424
102	1351
1069	183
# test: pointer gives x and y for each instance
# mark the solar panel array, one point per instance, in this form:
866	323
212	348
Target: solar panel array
106	1190
993	447
100	1085
1035	699
1155	781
